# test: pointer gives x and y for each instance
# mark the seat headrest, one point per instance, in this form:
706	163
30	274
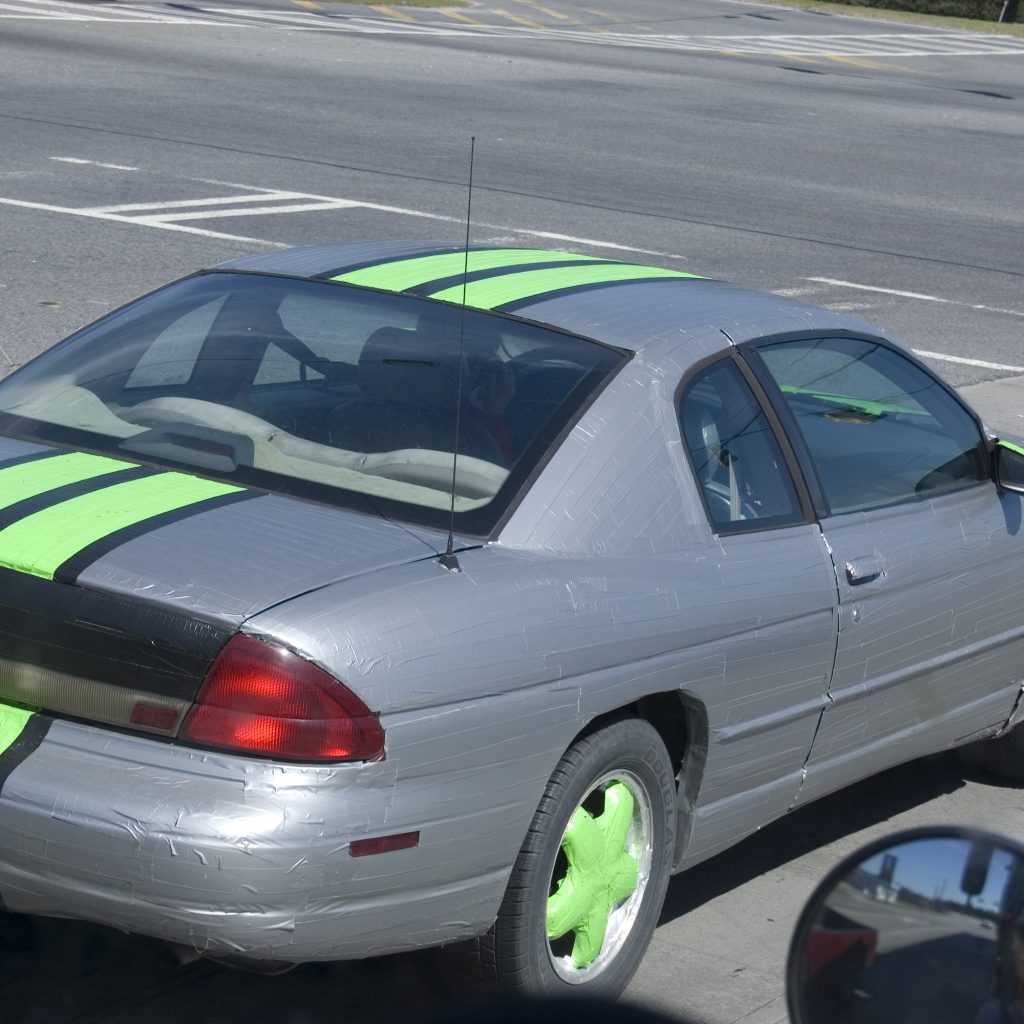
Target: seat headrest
397	366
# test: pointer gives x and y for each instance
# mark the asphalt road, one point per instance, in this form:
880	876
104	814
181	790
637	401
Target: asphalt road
870	167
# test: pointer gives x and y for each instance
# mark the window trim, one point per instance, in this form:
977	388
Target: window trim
806	511
749	351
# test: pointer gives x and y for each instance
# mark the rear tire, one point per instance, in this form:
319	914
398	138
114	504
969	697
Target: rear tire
588	885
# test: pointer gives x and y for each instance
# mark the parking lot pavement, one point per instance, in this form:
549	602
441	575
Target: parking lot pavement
1001	402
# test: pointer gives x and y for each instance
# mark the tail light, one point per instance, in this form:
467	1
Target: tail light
262	699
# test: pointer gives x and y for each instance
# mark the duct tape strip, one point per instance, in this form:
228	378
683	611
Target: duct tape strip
416	272
42	541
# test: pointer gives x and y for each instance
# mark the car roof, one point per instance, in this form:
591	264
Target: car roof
630	305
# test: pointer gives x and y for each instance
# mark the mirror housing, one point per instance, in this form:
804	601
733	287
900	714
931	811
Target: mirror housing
926	925
1008	466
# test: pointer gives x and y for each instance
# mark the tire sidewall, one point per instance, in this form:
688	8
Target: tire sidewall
628	745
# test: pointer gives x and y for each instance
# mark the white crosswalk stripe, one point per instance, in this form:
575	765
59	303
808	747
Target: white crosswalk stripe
875	44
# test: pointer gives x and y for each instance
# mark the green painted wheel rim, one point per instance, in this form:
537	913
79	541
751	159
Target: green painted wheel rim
599	877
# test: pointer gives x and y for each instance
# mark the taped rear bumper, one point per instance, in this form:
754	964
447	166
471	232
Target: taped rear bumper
231	856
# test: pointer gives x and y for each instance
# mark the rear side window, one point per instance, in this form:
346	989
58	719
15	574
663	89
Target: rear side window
879	428
735	456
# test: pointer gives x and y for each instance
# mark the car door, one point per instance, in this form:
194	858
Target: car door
766	594
927	553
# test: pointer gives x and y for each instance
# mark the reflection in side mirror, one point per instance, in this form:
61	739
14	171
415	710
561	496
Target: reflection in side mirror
1009	466
925	926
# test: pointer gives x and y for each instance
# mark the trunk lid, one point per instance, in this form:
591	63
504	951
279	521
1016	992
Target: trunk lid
119	586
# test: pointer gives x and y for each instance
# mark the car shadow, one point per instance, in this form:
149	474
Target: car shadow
814	826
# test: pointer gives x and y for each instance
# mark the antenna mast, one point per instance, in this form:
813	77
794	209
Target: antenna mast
449	559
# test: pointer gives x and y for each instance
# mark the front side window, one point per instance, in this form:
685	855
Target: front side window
736	458
878	428
341	394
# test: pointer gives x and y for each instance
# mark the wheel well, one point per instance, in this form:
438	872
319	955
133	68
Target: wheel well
676	721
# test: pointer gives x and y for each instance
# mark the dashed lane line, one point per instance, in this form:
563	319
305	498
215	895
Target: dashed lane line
93	163
964	361
917	295
176	211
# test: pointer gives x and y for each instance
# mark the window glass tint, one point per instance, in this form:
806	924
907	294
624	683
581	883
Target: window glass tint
173	352
879	428
735	456
350	396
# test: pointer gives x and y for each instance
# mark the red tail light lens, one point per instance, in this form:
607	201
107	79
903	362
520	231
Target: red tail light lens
261	699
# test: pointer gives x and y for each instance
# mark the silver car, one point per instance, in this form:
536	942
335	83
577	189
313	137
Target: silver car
358	599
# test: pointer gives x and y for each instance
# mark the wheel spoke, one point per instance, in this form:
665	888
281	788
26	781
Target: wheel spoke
601	874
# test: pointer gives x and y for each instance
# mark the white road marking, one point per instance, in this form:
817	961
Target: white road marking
878	44
168	215
214	206
130	220
92	163
171	218
123	13
968	362
187	203
917	295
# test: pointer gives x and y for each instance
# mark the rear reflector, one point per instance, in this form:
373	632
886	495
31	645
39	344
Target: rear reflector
262	699
153	716
383	844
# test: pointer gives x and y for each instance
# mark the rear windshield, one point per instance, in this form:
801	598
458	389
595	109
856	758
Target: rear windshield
352	397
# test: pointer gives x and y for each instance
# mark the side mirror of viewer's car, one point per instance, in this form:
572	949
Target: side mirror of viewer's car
1009	466
927	925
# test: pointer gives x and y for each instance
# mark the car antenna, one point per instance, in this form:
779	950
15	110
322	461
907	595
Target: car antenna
449	559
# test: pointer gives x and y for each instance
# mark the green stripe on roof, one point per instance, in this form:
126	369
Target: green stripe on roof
493	292
17	483
400	275
41	542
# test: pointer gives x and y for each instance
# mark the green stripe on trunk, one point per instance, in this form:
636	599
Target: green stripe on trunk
12	723
400	275
494	292
17	483
41	542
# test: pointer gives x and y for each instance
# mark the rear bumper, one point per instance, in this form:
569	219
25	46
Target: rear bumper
235	857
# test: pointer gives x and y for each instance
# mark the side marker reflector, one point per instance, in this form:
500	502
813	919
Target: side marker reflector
383	844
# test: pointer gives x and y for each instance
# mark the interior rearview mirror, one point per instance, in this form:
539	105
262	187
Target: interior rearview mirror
925	926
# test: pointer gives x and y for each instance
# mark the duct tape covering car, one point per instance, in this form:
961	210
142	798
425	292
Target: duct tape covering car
360	599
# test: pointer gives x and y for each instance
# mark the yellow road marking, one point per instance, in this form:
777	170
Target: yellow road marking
873	65
310	5
460	17
390	12
545	10
519	21
797	57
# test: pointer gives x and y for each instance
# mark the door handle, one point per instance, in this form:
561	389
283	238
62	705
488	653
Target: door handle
863	570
